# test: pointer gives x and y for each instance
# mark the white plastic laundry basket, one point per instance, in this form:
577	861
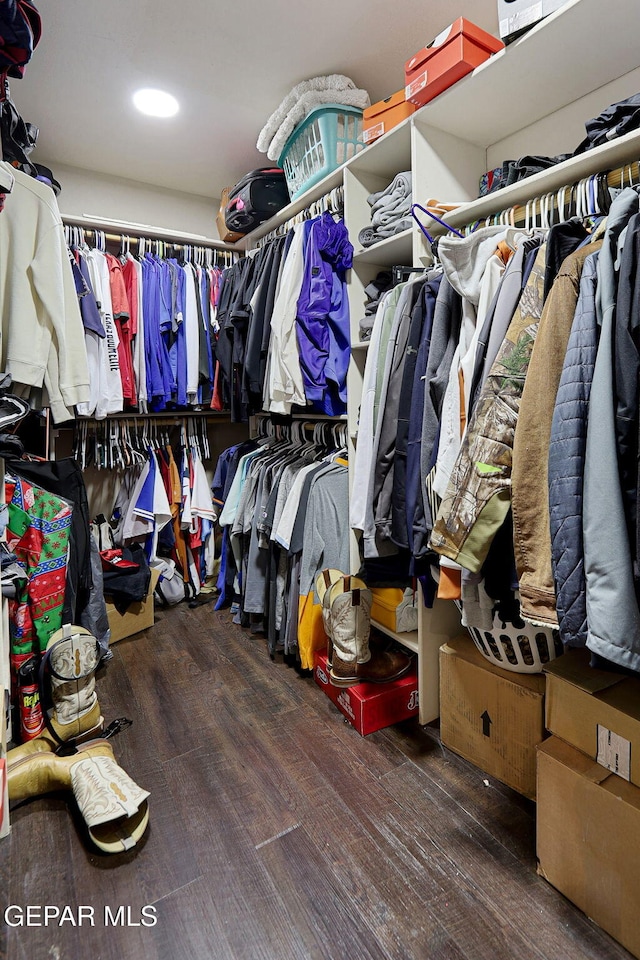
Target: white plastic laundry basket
521	647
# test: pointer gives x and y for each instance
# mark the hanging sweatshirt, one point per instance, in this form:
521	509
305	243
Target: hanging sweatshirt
42	330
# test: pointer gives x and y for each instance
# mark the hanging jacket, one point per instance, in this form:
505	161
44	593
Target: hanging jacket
473	266
383	473
406	472
627	376
566	463
322	322
613	616
478	496
444	338
529	478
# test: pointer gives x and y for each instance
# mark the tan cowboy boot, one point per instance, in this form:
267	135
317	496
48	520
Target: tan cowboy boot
70	662
353	660
113	807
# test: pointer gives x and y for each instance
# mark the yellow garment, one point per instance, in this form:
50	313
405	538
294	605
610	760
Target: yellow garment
311	635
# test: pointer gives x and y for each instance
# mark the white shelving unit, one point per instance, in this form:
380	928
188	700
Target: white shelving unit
533	97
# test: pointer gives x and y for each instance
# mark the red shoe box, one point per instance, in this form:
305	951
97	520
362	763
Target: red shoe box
371	706
452	55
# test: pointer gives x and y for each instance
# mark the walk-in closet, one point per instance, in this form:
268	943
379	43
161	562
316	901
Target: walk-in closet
319	447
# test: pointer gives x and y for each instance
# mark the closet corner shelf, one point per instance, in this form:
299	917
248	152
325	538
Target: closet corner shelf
409	640
609	155
386	253
510	91
360	345
387	155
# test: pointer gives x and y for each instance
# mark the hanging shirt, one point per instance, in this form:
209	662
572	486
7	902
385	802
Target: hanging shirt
121	316
109	399
192	332
285	385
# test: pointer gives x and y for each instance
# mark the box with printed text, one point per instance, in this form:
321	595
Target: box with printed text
453	54
371	706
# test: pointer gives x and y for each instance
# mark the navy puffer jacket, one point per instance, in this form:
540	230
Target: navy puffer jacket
566	463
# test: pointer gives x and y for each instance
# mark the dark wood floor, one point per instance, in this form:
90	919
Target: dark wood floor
277	832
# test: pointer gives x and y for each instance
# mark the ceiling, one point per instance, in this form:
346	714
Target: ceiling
229	65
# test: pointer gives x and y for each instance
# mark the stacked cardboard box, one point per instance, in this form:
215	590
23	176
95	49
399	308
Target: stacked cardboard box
588	815
491	716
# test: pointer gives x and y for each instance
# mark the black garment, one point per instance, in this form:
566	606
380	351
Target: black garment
516	170
563	239
614	121
233	315
64	479
416	522
259	328
399	531
128	586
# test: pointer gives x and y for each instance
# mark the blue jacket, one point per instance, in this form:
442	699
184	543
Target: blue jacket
566	462
322	323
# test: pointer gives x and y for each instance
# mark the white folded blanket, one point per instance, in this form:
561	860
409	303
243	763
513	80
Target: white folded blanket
307	95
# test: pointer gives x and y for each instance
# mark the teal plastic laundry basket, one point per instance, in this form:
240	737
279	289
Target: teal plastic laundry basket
327	137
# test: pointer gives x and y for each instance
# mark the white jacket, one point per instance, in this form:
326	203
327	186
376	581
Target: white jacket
42	331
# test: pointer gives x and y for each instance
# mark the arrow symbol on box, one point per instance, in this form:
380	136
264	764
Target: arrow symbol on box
486	724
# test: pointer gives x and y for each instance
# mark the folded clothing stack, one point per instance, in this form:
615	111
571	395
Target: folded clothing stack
373	292
390	210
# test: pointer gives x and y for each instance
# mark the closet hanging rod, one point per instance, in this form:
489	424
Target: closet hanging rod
173	416
284	418
123	228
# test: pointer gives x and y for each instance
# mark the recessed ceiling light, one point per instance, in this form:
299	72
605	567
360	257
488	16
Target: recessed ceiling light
155	103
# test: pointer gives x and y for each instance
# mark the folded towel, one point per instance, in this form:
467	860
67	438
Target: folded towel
370	235
398	226
367	237
401	185
388	215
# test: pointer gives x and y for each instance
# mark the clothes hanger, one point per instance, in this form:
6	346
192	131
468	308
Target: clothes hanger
432	240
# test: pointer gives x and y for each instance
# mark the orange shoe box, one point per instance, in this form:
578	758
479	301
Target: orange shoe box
371	706
382	116
452	55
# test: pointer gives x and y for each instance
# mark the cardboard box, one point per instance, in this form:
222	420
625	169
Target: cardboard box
588	838
596	711
490	716
516	16
384	115
451	56
371	706
229	236
137	616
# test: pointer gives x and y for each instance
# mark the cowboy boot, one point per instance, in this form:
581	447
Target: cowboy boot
324	581
69	661
113	807
353	660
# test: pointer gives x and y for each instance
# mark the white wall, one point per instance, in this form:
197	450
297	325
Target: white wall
88	194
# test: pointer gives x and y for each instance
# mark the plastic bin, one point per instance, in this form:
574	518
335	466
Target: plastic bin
327	137
520	648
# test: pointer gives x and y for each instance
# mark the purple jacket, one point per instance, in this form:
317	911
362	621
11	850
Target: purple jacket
322	323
